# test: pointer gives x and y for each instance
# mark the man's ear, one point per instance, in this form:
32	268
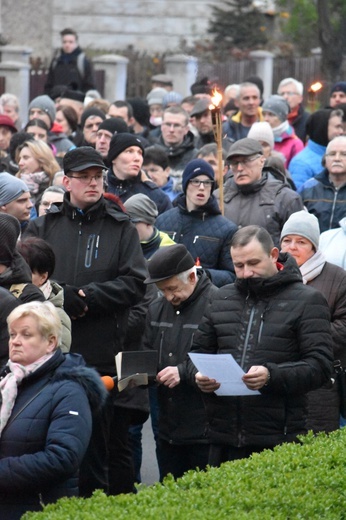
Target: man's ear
66	183
323	161
274	253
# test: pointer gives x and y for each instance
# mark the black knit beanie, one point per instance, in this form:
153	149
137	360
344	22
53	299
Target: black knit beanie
93	111
9	233
120	142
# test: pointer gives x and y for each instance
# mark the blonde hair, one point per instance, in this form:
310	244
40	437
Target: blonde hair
43	155
46	316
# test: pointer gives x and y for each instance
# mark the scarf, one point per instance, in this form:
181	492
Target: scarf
279	130
312	267
9	385
46	288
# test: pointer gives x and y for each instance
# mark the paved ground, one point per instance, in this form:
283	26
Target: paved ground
149	470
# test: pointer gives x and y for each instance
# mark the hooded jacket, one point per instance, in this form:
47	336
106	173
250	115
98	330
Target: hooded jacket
205	233
99	252
277	322
44	441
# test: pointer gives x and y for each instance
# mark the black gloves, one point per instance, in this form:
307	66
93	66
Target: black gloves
74	304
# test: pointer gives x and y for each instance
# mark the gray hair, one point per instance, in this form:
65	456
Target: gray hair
341	138
299	86
184	276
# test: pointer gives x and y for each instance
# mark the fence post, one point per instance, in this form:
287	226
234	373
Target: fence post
115	68
264	69
16	53
183	69
17	76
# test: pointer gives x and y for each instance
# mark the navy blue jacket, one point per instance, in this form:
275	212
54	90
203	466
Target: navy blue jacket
45	439
205	233
323	200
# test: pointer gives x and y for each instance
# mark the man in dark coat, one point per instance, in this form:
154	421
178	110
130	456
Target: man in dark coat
70	67
100	265
171	324
278	331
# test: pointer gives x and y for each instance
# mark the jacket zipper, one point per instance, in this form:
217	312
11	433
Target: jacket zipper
248	330
333	208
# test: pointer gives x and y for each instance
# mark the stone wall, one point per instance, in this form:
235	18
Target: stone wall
107	25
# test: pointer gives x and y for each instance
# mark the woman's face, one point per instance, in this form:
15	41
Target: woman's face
62	121
27	163
39	134
299	247
26	343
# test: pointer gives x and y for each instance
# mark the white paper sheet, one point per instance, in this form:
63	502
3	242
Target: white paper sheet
225	370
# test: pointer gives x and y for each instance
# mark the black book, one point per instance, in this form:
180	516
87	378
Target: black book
135	367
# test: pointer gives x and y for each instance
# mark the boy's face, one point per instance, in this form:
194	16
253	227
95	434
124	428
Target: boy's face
157	174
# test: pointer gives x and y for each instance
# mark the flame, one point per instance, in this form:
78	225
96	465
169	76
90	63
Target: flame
315	87
215	99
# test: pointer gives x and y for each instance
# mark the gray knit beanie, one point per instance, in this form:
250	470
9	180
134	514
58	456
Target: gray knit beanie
46	104
278	106
141	209
304	224
10	188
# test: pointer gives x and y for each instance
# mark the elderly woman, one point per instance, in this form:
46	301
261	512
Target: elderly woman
45	414
300	237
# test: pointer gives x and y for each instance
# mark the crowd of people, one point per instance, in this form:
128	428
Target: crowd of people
113	238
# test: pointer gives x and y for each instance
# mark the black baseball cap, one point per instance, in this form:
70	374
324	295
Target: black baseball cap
82	158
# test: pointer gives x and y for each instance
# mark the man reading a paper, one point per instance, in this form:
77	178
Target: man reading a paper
278	331
172	321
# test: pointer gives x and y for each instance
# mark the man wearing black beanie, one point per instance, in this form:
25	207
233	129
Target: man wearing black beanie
125	177
90	122
108	128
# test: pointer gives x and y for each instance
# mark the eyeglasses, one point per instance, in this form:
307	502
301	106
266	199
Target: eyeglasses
176	126
244	161
197	183
334	154
86	179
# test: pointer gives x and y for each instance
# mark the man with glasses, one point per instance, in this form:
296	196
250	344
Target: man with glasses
99	264
196	222
292	91
252	195
325	194
176	139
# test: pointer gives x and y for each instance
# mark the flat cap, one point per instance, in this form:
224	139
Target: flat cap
201	106
167	262
246	146
162	78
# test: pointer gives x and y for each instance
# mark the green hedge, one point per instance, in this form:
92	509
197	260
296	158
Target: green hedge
294	481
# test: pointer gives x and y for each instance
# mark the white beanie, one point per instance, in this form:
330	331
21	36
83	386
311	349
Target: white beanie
262	132
304	224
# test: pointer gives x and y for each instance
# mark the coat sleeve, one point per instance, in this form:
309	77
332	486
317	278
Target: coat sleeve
66	442
315	364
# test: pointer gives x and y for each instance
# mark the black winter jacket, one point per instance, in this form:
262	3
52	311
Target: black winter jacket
205	233
99	252
282	324
44	441
125	189
170	331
